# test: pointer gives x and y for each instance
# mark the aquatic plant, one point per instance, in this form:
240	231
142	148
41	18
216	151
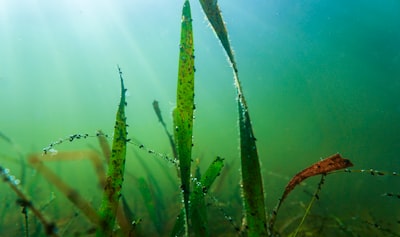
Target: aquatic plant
68	191
323	167
183	113
253	193
25	202
194	204
116	169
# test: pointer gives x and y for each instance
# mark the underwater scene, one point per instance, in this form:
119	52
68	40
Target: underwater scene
199	118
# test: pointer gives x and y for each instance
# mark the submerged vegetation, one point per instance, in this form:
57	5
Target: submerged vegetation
127	204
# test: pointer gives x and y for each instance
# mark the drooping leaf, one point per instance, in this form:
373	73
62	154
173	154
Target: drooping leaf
329	164
251	174
213	13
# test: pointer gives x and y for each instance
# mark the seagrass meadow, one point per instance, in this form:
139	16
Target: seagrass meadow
199	118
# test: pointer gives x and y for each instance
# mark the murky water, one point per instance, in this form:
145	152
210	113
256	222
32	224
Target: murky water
319	77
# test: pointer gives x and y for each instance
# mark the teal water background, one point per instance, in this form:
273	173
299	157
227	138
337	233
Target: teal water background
320	77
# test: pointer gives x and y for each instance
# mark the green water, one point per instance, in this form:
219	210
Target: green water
320	77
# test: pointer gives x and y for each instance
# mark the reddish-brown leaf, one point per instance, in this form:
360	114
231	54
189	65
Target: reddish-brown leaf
332	163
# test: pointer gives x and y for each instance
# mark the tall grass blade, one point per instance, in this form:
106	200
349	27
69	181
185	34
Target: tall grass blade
251	175
116	168
183	113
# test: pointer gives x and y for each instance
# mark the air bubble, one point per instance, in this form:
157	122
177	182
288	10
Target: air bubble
17	182
11	179
52	151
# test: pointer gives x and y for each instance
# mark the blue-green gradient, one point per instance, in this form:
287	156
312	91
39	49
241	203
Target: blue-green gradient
319	77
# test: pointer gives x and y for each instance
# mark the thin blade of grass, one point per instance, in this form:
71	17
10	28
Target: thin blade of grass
128	216
68	191
314	197
82	155
104	145
198	212
116	169
157	110
198	204
183	113
251	174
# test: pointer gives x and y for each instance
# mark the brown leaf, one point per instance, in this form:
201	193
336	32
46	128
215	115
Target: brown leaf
332	163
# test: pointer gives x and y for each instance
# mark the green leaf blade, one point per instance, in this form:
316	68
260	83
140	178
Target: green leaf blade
252	187
198	205
116	169
183	113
